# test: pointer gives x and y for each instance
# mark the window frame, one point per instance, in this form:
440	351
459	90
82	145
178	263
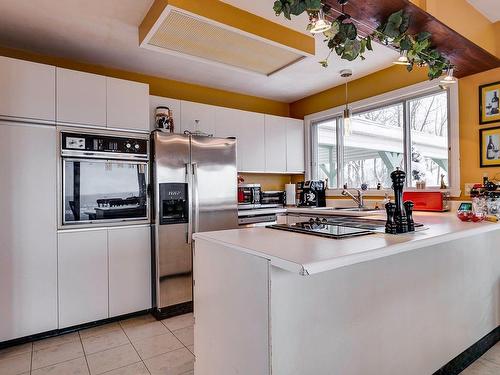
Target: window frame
404	96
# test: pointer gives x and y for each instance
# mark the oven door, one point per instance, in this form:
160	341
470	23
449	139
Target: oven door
103	191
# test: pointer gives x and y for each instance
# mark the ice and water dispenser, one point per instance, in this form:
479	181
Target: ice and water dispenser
174	204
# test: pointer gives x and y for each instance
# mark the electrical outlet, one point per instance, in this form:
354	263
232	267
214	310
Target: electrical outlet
468	186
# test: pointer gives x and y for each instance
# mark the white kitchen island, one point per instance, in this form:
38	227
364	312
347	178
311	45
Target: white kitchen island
282	303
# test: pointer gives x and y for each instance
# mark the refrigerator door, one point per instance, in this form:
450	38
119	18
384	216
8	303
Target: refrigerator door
172	221
215	192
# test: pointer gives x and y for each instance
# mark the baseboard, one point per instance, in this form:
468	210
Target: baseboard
168	312
58	332
470	355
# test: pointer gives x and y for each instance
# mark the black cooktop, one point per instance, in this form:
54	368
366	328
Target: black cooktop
322	229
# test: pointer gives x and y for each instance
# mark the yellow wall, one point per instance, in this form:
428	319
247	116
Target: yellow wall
469	127
164	87
462	17
385	80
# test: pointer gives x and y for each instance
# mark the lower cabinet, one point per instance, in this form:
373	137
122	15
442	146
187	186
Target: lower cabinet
103	273
83	277
129	270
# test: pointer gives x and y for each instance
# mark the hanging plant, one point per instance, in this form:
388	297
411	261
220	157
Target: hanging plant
343	37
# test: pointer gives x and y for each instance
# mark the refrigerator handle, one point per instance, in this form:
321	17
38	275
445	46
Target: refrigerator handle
196	208
189	180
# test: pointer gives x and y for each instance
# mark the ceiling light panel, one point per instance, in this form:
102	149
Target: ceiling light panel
184	33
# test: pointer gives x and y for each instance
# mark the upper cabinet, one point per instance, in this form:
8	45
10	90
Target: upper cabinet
95	100
197	117
295	152
127	104
173	104
81	98
249	130
27	89
276	156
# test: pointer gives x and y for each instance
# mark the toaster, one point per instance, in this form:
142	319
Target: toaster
428	200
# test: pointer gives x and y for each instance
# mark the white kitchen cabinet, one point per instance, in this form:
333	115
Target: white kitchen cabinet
295	152
129	269
127	104
81	97
249	130
28	240
83	276
173	104
275	139
27	89
197	117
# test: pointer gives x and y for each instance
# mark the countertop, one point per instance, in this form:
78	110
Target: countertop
308	255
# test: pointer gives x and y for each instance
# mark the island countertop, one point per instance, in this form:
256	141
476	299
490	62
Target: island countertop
308	255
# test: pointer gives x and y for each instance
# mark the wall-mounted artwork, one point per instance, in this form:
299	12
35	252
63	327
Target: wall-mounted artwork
489	140
489	103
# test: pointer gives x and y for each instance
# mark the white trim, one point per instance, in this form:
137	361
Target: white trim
386	99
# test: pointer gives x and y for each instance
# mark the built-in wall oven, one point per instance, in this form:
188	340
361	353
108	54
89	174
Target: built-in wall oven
104	178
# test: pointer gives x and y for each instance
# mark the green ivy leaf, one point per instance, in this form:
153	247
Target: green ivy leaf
351	50
405	44
312	4
369	43
347	31
392	27
424	35
324	63
405	23
278	7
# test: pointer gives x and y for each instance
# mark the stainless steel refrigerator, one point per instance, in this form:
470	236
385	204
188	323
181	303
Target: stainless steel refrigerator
195	190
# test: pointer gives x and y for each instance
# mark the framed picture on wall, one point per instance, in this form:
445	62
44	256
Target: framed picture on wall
489	103
489	140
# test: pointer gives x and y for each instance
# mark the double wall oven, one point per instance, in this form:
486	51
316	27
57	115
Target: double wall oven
104	178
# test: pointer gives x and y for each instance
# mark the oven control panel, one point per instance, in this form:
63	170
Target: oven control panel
102	145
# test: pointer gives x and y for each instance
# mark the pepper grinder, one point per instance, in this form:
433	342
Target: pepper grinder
409	215
398	178
390	225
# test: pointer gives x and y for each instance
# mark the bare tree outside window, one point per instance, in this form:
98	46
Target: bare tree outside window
376	146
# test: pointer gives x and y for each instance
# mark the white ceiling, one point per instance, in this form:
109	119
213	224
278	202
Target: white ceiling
489	8
105	33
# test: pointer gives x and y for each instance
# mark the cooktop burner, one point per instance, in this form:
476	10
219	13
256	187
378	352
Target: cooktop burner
321	229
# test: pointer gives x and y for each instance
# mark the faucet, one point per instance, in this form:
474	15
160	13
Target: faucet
359	199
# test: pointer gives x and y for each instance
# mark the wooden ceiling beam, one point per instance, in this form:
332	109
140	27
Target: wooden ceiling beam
467	56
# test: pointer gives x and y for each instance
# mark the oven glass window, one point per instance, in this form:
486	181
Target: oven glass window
104	190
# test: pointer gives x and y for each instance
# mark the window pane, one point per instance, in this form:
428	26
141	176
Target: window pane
327	151
375	147
429	139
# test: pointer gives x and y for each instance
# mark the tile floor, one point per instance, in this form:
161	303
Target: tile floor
488	364
136	346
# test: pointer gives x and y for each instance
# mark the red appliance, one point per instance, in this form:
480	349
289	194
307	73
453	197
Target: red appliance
428	200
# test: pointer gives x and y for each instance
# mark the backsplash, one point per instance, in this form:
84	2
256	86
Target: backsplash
270	181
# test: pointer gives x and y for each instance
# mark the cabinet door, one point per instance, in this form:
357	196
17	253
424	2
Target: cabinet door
197	117
81	97
249	130
275	138
28	225
129	270
173	104
128	104
295	153
83	277
27	89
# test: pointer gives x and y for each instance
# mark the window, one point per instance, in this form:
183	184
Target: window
411	134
